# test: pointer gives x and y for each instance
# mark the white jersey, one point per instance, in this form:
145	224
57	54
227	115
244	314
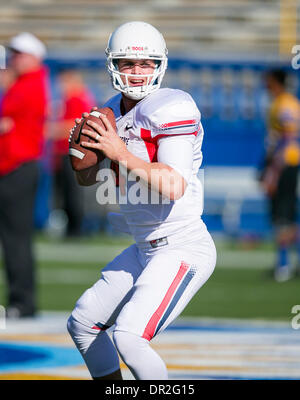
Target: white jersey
164	127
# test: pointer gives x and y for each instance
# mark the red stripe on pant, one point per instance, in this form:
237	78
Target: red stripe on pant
154	320
100	328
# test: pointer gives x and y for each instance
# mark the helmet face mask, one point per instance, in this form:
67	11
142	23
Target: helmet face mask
136	41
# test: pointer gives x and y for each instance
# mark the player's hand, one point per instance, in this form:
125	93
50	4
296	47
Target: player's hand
83	115
78	121
107	140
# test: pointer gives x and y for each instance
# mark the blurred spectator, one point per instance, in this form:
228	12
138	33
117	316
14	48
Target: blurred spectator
280	175
22	119
76	99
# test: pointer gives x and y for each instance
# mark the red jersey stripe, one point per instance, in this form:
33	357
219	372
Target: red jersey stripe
150	143
178	123
96	327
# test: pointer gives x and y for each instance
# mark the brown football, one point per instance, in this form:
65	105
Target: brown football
82	157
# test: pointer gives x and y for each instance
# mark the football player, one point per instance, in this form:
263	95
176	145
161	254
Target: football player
280	175
158	138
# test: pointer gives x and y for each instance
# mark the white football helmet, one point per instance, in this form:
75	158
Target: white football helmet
136	40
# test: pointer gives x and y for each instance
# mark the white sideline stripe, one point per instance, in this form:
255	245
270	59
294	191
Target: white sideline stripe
106	253
102	254
66	276
77	253
76	153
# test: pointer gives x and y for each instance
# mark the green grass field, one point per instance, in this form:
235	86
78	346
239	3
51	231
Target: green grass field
241	286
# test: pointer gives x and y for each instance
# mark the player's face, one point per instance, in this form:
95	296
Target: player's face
136	67
22	62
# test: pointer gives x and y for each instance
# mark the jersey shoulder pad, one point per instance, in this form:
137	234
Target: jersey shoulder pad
170	112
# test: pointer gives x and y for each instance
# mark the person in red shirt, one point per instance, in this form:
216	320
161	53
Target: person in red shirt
23	111
75	100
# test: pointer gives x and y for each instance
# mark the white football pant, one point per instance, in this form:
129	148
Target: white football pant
140	292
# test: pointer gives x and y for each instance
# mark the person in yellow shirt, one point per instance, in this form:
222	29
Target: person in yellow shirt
280	174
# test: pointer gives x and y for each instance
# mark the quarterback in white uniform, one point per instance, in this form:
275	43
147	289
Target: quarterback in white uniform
158	142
